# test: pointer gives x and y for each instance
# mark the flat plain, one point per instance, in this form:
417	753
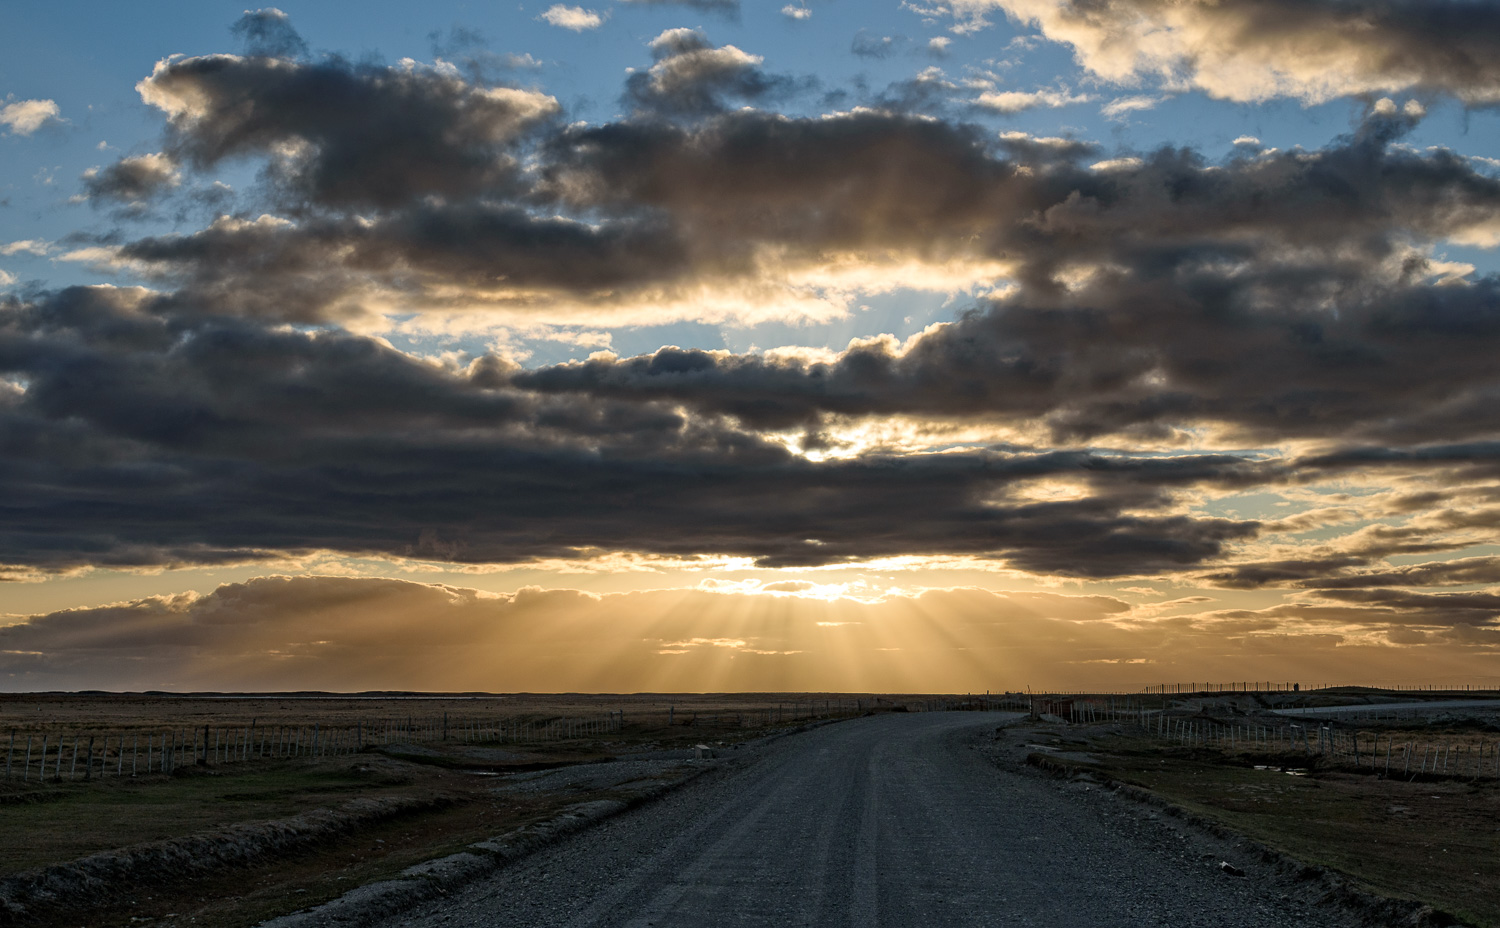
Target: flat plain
432	775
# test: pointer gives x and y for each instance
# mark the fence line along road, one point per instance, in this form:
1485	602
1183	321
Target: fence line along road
1457	755
44	754
52	756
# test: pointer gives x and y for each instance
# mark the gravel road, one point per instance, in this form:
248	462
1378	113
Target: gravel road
896	820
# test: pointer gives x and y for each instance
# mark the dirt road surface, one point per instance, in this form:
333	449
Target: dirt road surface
895	820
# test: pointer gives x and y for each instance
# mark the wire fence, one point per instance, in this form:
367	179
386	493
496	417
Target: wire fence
53	756
42	753
1271	687
1389	753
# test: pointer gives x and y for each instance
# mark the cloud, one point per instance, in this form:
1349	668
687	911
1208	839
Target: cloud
1460	572
1311	50
574	18
868	45
303	441
693	76
1122	107
132	182
1016	101
466	48
1133	332
1210	293
268	33
331	633
26	116
29	246
792	11
729	9
342	134
349	634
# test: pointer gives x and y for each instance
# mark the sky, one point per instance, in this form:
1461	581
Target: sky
709	345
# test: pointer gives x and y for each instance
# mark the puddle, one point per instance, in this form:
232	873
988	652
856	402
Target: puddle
1292	772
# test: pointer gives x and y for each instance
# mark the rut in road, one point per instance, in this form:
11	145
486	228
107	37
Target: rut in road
893	820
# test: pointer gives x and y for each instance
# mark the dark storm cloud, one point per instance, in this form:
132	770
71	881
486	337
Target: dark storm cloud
197	441
1259	49
340	134
268	33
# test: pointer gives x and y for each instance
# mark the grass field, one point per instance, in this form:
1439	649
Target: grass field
1432	839
450	782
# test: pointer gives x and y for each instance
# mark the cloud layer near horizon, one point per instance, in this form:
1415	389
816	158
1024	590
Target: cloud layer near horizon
326	633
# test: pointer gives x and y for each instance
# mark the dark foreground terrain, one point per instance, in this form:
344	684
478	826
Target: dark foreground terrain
895	820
